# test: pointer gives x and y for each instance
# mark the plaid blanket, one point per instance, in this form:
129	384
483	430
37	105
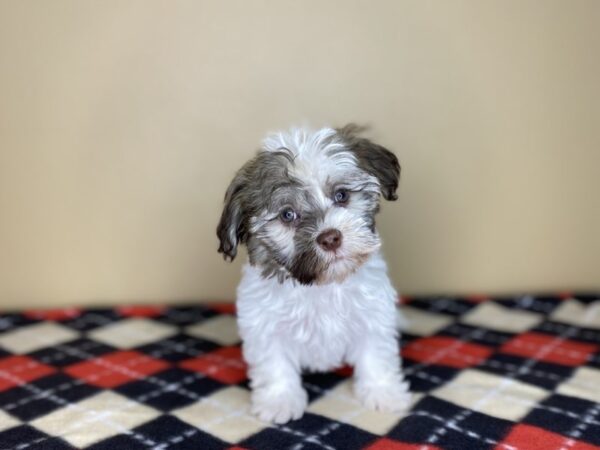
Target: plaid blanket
503	373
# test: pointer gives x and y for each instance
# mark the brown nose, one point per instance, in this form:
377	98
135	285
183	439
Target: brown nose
330	240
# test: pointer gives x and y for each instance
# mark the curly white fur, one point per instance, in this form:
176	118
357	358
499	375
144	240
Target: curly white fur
289	327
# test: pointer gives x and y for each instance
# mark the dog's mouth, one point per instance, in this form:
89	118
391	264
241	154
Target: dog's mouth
338	267
337	257
316	266
351	258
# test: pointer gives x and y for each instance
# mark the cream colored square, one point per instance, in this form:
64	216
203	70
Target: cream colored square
422	323
225	414
340	404
221	329
7	421
579	314
584	383
496	317
35	337
490	394
133	332
96	418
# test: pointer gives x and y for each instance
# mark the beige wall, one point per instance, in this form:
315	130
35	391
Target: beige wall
121	123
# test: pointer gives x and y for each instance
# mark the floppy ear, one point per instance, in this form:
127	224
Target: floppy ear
374	159
231	230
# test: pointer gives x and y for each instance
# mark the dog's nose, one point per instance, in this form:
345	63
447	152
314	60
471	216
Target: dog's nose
330	240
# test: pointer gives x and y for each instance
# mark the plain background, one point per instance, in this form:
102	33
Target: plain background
122	122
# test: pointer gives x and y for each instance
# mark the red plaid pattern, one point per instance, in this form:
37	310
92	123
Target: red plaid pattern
225	365
446	351
17	370
140	311
52	314
552	349
115	369
173	378
534	438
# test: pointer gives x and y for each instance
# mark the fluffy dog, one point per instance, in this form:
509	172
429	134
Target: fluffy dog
315	293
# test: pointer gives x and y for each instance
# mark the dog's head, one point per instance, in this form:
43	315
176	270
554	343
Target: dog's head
305	205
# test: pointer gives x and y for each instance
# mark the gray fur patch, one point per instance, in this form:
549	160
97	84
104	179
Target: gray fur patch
253	187
374	159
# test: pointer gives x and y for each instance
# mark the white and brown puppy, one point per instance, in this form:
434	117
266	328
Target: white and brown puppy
315	293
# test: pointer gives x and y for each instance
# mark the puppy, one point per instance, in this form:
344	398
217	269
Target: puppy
315	293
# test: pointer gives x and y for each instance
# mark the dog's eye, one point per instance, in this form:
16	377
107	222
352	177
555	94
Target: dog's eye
341	197
287	215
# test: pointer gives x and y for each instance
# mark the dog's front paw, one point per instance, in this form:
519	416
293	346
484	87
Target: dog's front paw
387	397
279	406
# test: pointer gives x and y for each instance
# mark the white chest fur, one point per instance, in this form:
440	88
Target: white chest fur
317	327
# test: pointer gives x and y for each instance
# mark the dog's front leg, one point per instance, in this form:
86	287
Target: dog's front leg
277	393
378	379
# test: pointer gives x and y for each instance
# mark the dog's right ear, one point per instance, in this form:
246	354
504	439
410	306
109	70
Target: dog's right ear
232	228
374	159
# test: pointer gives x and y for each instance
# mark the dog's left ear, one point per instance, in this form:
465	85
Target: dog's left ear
232	228
374	159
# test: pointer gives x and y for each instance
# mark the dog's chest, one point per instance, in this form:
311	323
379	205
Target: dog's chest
318	327
321	330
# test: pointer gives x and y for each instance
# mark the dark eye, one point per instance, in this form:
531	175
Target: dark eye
340	197
287	215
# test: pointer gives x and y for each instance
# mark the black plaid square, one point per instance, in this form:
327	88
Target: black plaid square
42	396
186	315
424	378
585	297
537	373
444	425
162	433
317	384
310	432
27	437
71	352
178	348
447	305
93	318
539	304
11	321
170	389
583	334
569	416
594	360
476	335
